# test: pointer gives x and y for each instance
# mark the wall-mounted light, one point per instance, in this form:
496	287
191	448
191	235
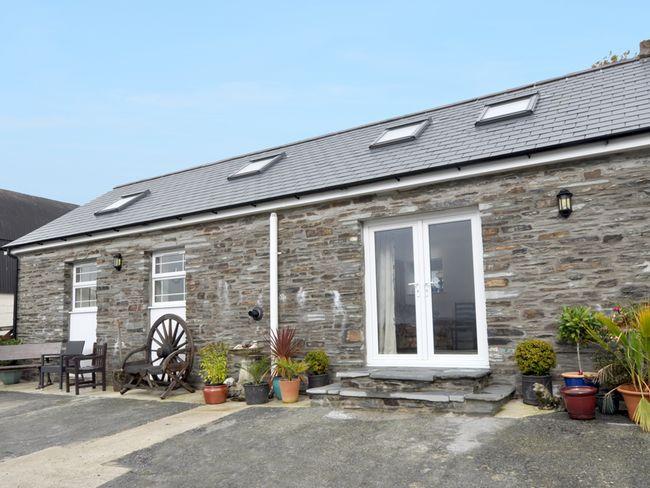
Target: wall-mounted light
564	206
117	261
256	313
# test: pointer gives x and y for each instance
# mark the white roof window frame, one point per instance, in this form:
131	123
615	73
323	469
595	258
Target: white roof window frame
122	202
422	125
528	110
270	161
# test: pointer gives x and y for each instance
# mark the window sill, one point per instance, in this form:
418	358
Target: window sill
83	310
167	305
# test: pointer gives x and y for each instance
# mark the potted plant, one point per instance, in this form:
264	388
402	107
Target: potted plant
284	345
629	342
257	390
290	372
318	362
10	377
535	359
607	398
572	329
213	359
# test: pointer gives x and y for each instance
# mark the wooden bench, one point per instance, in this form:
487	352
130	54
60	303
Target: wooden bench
22	352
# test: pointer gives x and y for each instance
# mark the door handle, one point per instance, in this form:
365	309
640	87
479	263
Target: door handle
417	288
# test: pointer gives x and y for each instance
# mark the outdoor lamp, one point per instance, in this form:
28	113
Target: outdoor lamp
117	261
564	203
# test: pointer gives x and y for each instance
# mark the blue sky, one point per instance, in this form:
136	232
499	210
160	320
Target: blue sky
93	94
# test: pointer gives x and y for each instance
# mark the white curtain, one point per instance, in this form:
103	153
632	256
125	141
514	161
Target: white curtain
386	299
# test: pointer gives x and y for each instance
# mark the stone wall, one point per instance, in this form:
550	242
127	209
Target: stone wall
534	262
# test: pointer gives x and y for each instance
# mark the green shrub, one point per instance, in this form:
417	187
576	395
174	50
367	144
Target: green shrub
573	327
318	361
290	369
214	363
535	357
258	370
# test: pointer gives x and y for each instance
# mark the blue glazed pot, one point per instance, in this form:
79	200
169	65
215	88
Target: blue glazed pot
276	387
576	379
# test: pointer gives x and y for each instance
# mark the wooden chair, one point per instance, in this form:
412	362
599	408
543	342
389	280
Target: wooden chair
168	357
97	365
55	363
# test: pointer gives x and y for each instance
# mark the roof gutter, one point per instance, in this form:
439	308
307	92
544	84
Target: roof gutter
569	153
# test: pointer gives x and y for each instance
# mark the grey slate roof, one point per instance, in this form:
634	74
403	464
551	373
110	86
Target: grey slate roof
583	106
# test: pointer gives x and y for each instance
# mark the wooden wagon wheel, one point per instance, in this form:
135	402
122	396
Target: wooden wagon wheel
168	335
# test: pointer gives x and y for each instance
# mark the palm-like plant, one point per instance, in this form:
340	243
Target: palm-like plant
284	344
258	370
630	344
290	369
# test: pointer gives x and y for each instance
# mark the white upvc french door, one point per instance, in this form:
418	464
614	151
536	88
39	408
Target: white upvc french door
425	298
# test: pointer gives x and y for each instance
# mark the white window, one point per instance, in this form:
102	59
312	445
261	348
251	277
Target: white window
122	202
509	108
257	166
168	277
84	286
401	133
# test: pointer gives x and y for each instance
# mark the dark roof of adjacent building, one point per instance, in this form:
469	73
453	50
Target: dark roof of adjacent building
589	105
21	214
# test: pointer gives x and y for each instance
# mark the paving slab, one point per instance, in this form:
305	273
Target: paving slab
30	422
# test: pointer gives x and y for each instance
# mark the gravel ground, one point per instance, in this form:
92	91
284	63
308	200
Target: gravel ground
321	447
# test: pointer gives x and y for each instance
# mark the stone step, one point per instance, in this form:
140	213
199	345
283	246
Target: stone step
415	374
487	401
415	379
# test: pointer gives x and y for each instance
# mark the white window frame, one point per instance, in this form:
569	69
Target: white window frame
421	126
246	170
530	108
164	276
122	202
425	356
82	284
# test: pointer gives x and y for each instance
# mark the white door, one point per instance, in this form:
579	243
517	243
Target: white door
83	316
425	302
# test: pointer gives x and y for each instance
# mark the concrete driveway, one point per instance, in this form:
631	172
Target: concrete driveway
54	440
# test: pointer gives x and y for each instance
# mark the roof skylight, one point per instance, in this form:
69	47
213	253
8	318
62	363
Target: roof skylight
507	109
256	166
122	202
401	133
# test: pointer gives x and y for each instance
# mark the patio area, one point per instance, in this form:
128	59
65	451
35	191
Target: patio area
101	439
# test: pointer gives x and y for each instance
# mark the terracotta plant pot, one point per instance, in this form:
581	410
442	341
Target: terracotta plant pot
580	401
216	394
290	390
632	397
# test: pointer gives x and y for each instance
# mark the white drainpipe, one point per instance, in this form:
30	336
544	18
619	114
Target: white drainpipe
273	271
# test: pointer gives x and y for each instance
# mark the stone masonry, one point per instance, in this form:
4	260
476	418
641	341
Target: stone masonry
534	263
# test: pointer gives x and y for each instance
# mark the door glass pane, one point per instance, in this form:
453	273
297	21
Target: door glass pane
85	297
169	290
395	296
452	288
85	273
170	263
